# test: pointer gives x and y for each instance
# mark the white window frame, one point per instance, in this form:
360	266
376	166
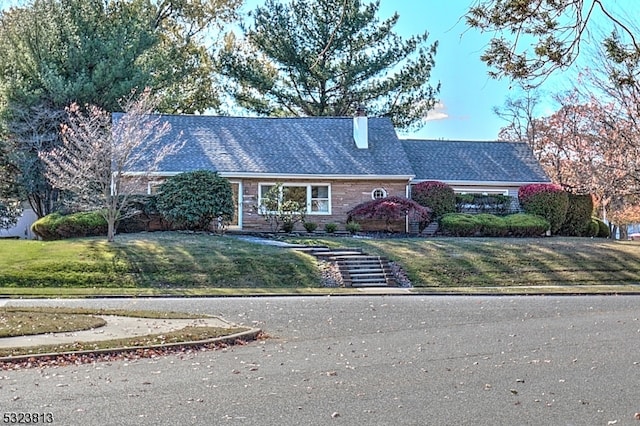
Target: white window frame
373	193
309	200
152	184
483	191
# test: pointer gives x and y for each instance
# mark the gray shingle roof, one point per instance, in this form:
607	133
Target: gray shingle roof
473	161
293	146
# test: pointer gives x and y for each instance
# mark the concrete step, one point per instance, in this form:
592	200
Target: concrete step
365	276
358	269
369	284
312	249
332	253
362	271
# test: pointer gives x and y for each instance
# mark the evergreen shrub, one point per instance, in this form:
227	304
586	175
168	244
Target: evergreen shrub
82	224
578	218
492	225
526	225
196	200
460	225
603	229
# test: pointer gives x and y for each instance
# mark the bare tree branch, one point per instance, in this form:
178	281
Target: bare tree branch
97	153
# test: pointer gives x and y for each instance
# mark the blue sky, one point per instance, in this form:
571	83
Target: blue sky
467	94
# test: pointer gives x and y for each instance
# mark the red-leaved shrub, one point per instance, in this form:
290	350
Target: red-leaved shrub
391	209
437	196
547	200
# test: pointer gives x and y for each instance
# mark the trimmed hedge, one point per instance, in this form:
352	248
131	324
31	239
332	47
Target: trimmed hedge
83	224
492	225
488	225
578	218
526	225
547	200
459	225
437	196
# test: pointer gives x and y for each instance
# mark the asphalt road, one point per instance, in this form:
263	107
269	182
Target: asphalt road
379	360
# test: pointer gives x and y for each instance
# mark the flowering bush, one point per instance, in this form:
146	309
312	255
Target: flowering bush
546	200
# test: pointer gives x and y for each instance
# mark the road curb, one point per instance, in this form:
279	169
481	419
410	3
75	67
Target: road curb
251	334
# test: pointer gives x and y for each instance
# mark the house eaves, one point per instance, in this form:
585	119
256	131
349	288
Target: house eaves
481	183
279	176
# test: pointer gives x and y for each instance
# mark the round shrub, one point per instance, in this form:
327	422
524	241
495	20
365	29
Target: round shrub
459	225
546	200
437	196
194	200
83	224
578	218
526	225
353	227
331	227
593	228
310	226
603	229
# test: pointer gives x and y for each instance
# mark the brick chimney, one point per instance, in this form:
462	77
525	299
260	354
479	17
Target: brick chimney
361	128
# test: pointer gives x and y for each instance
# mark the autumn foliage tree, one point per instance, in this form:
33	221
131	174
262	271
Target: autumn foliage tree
589	145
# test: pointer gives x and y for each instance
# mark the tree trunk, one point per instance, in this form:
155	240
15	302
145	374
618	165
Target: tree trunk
111	229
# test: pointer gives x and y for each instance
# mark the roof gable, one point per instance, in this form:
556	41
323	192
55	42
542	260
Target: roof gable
478	161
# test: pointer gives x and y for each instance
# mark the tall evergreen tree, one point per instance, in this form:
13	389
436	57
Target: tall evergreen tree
95	52
327	57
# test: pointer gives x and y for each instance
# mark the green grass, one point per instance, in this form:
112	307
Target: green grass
175	264
506	262
157	261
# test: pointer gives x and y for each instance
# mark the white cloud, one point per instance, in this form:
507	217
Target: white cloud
439	112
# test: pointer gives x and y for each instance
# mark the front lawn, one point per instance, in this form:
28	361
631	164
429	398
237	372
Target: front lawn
173	263
165	260
484	262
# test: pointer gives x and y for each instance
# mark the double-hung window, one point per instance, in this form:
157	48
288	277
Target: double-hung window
316	199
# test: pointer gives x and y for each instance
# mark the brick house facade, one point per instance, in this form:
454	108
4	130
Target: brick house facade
334	163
